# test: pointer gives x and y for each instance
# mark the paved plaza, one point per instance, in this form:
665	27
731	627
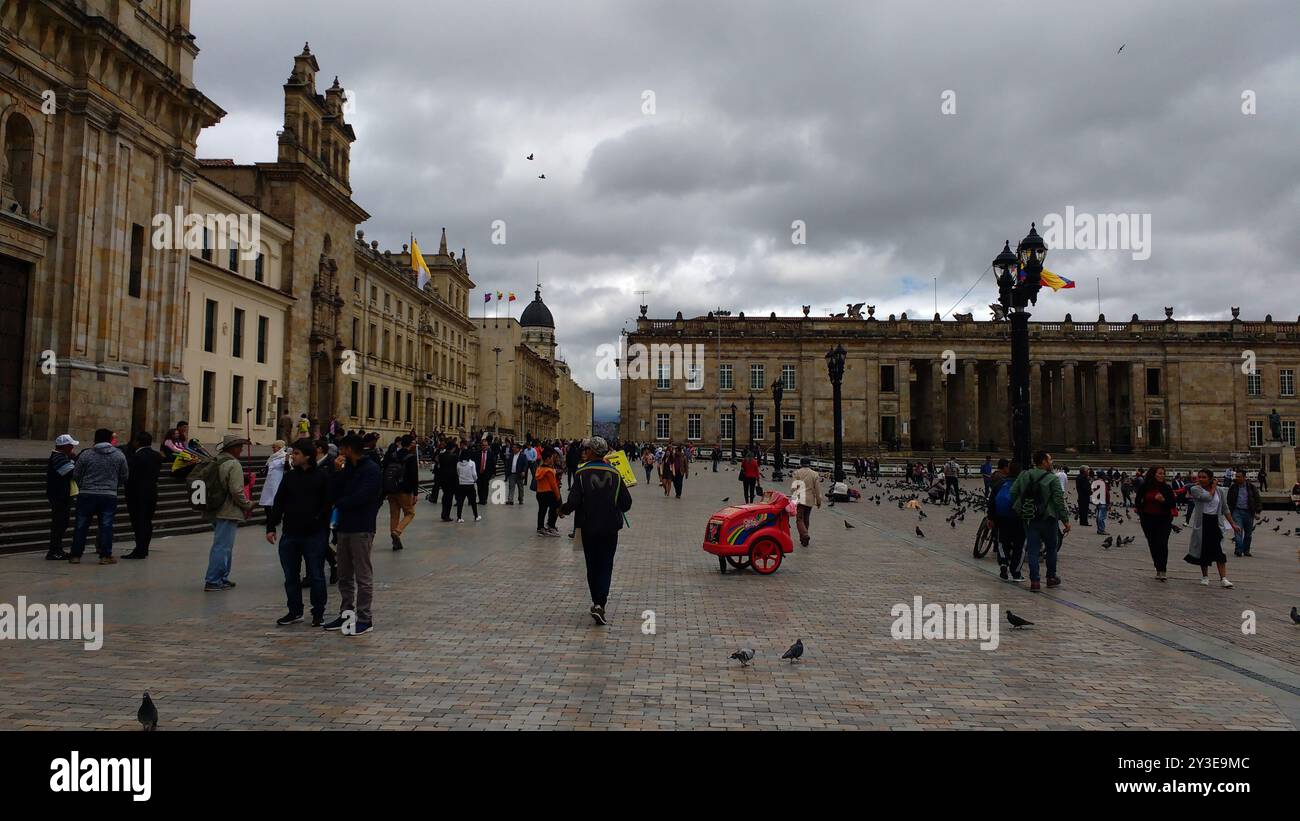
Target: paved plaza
484	626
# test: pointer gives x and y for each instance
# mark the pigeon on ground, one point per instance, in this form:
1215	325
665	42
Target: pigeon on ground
847	526
147	715
744	656
1110	540
726	498
1295	616
1016	621
919	533
529	157
795	651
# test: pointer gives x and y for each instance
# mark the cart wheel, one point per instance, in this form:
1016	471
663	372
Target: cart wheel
738	562
765	556
722	564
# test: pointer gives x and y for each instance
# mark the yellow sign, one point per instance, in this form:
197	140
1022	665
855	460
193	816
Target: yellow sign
618	459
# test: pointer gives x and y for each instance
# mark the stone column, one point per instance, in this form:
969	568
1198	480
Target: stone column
903	420
1002	398
971	398
1138	404
1103	406
1068	405
938	406
1037	409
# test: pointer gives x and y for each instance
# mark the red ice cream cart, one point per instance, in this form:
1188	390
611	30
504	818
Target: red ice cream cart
755	535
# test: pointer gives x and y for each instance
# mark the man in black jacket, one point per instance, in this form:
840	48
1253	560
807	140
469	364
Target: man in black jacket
485	460
573	458
599	498
516	474
445	470
1083	489
142	493
302	503
1243	506
58	491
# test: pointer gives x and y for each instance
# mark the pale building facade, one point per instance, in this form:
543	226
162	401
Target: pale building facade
236	314
518	395
576	405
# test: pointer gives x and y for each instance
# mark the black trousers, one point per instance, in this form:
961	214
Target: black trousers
548	508
950	485
1011	542
677	484
1083	511
60	515
483	482
749	489
598	548
448	496
141	511
465	492
1156	529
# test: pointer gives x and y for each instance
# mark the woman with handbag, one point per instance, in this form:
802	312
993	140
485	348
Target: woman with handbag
1208	520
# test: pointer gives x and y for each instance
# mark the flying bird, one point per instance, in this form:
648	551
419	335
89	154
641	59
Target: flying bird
1121	48
1016	621
744	656
795	651
541	176
529	157
147	715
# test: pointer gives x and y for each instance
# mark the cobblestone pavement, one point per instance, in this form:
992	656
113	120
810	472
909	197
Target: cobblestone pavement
484	625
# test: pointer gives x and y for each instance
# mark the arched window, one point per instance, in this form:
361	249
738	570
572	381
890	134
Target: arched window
18	159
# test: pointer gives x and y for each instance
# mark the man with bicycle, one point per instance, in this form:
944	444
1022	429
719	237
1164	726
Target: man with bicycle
1038	498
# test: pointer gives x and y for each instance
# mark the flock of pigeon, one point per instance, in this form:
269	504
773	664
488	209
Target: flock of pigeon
745	655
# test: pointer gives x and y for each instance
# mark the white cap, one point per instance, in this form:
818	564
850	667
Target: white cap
65	439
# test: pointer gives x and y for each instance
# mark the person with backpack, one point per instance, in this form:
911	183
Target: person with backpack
1038	499
143	466
99	472
599	499
401	484
302	504
225	506
357	490
1011	530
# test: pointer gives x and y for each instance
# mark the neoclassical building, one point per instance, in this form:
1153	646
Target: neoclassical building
1165	386
98	121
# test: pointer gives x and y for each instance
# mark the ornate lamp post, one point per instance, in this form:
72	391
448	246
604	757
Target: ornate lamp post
777	391
733	432
1019	281
751	422
835	369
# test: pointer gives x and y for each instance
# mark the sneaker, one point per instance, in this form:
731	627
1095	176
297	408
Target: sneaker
571	534
288	619
1160	576
1053	581
337	624
478	518
460	521
1205	581
212	588
107	560
511	503
1017	577
1224	581
1248	555
317	621
551	531
227	584
541	531
362	627
598	613
135	554
1034	587
1002	571
56	556
397	542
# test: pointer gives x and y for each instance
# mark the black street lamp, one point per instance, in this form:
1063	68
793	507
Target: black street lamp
751	422
835	369
733	433
1019	281
777	391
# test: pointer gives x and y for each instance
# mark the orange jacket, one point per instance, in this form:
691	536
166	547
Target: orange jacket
546	481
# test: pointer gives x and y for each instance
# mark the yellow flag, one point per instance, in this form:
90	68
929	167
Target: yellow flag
418	266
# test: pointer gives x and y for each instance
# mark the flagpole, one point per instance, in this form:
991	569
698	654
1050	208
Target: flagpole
1098	296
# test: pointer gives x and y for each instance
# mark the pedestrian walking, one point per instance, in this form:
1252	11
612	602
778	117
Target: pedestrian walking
99	472
548	494
466	479
805	487
1157	505
401	483
485	468
448	476
143	468
227	488
1038	499
1010	527
647	462
58	492
951	483
302	506
1100	498
1244	505
599	500
749	474
1208	526
357	490
680	468
1083	491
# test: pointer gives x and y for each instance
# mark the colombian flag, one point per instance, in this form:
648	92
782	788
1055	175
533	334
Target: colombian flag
512	296
1055	281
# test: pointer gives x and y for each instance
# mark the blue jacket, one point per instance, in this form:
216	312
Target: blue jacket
358	491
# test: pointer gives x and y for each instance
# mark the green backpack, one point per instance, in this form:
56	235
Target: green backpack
204	483
1034	501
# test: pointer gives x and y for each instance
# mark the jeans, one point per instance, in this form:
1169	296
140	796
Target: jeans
598	548
950	485
92	505
1101	519
293	551
1042	534
677	484
1246	521
648	468
222	552
749	489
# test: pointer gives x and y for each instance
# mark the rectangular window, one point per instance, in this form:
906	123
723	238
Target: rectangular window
137	260
210	326
1286	378
726	379
237	334
1153	382
662	381
888	430
887	383
787	377
233	263
1253	386
727	426
263	333
236	399
209	391
397	406
356	332
757	377
787	427
385	405
207	245
372	339
259	267
386	352
661	425
692	426
260	401
356	285
408	406
756	426
694	377
370	401
1256	433
1288	433
352	405
1155	433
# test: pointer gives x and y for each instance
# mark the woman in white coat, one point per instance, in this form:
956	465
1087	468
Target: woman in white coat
275	465
1209	518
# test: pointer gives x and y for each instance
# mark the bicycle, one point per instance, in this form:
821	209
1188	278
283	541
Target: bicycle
986	536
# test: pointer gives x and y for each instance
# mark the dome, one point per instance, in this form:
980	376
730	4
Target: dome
536	315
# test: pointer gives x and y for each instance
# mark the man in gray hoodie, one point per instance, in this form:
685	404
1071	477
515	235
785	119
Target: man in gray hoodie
100	471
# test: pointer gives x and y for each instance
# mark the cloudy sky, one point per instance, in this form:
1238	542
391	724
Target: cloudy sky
911	138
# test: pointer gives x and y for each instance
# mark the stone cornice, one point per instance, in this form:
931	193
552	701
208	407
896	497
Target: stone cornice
297	172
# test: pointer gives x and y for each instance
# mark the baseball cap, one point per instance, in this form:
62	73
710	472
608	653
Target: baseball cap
64	440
